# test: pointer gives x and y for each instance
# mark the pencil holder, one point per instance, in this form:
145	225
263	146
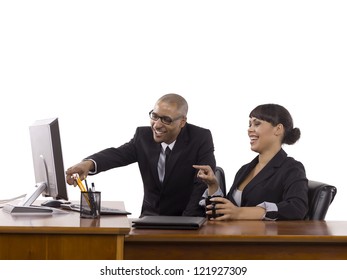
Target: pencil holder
90	205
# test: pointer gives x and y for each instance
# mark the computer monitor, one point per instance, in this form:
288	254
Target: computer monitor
48	164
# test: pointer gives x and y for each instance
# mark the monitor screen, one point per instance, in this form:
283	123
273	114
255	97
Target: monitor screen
48	158
48	168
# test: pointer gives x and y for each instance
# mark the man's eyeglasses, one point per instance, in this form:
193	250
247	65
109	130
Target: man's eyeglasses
164	119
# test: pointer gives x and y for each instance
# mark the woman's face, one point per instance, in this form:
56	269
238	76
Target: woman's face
263	135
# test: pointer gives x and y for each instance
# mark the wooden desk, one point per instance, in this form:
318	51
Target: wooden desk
242	240
63	236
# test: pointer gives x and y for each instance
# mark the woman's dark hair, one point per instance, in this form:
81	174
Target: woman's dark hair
277	114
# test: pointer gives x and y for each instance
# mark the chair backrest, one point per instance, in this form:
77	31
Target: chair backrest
221	179
320	196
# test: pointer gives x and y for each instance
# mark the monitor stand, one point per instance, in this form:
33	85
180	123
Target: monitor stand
25	207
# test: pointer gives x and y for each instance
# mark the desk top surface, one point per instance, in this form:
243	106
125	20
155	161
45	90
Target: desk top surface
291	231
66	223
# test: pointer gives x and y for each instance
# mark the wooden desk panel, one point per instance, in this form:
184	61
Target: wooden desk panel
242	240
61	247
63	236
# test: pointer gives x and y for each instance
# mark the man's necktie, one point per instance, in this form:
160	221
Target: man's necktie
163	159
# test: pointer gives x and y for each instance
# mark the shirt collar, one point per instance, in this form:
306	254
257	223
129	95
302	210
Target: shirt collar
164	145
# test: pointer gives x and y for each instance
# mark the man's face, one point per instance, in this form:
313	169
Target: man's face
166	122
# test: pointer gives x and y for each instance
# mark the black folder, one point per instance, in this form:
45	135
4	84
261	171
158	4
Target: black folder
169	222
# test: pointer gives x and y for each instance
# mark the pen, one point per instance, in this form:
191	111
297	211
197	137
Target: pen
92	202
94	199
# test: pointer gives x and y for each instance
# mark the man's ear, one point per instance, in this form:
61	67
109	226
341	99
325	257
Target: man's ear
183	122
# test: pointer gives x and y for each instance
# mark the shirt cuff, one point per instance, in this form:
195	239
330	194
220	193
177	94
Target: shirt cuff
271	210
205	195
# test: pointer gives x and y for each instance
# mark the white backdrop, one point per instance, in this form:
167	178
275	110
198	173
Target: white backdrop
100	66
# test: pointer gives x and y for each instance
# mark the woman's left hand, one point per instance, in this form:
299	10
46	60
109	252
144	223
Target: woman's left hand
225	207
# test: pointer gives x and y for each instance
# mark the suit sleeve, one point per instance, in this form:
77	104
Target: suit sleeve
205	157
115	157
294	205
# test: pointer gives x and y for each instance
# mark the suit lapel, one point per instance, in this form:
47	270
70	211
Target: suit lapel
265	173
154	150
178	149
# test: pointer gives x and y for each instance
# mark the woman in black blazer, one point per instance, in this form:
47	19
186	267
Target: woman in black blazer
272	186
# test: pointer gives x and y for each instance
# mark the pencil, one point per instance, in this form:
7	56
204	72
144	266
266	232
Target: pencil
83	190
80	184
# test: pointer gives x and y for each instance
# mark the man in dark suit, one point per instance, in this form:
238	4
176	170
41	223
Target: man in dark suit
165	152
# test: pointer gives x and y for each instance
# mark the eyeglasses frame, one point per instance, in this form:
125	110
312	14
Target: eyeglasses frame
161	118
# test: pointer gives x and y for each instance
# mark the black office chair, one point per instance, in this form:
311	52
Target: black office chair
221	179
320	196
